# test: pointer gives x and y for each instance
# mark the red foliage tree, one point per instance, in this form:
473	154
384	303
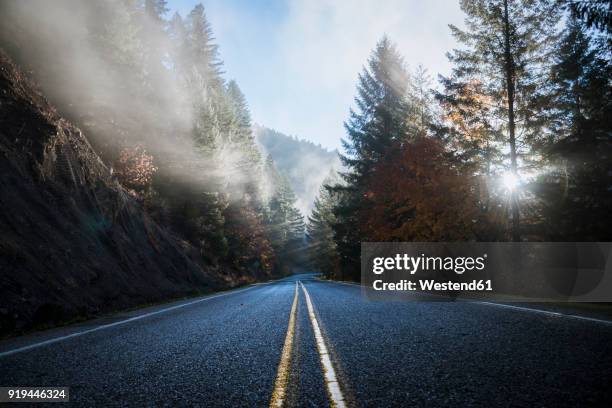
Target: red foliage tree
420	193
135	169
249	245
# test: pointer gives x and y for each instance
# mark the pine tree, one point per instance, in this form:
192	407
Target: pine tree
468	124
177	35
200	69
320	236
112	30
229	159
154	39
156	9
379	121
595	13
421	100
202	55
295	251
508	44
279	205
242	143
161	114
576	193
114	34
284	222
240	106
382	109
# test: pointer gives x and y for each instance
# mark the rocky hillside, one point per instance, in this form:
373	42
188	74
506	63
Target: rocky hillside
72	242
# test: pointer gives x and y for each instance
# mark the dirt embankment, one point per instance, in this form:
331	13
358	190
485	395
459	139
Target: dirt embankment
72	243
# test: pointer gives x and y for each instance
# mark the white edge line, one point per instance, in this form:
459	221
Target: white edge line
109	325
333	387
345	283
521	308
546	312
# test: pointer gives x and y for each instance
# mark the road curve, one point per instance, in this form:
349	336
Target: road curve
226	350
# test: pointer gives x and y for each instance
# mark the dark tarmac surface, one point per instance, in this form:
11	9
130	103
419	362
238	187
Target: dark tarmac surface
224	351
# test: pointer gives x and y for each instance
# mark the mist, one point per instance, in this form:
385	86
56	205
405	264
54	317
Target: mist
120	74
305	164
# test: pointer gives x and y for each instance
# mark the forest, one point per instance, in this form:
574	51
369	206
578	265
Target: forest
149	91
293	203
514	145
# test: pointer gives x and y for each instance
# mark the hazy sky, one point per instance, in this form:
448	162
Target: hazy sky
297	60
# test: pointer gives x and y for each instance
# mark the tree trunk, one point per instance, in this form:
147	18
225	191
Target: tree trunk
509	68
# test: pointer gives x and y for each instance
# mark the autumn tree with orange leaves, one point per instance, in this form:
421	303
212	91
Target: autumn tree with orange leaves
248	244
426	196
135	169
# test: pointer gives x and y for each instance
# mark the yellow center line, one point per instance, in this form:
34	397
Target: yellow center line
333	387
282	376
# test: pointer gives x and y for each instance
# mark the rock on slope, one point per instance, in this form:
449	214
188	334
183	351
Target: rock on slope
72	243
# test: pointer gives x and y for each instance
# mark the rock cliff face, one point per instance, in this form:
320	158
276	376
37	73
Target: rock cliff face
72	242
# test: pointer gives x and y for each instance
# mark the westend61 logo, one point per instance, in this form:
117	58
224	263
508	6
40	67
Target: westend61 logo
413	264
504	271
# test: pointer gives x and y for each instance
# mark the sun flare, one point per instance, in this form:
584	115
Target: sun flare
510	181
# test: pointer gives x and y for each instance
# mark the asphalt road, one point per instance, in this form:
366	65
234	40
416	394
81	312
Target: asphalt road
228	350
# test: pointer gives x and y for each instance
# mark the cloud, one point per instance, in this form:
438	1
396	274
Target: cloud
298	60
323	45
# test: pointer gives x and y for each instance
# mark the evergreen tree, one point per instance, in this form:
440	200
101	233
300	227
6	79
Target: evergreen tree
154	39
113	30
161	114
225	159
242	143
240	107
295	252
200	69
379	121
508	44
468	124
156	9
177	36
284	222
577	193
279	204
202	60
321	244
382	109
421	100
595	13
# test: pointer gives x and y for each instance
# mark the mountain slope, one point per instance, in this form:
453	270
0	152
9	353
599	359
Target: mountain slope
72	242
305	164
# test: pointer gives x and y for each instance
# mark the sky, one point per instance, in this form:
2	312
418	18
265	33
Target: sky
297	61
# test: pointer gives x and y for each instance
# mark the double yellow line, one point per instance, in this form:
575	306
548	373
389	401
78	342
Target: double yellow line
282	378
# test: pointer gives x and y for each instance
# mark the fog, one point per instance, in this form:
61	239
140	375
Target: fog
98	63
305	164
